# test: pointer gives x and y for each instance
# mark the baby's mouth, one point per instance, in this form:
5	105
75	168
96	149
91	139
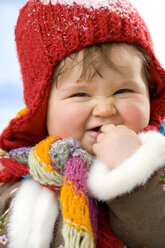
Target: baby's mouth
95	130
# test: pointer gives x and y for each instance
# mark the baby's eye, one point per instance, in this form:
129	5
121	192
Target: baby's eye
121	91
79	95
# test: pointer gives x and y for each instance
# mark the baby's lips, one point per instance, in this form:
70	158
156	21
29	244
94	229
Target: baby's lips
96	129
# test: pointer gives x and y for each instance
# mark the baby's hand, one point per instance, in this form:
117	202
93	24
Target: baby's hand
115	144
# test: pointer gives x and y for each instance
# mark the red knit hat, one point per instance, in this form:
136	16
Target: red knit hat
47	31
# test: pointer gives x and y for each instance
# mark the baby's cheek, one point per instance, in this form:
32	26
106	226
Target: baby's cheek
71	122
135	115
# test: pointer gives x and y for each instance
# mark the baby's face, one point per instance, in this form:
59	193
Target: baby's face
78	109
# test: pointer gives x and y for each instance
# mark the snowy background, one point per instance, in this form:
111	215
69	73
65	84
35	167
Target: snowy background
11	98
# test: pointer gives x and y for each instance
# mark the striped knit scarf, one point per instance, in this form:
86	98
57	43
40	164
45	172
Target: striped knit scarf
62	166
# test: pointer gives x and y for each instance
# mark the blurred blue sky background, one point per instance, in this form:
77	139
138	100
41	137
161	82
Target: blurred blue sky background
11	97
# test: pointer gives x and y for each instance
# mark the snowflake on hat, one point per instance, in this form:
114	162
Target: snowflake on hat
114	5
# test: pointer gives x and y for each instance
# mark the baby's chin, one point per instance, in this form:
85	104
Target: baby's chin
88	148
87	143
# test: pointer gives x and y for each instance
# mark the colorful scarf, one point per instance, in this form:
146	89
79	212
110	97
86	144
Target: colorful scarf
62	166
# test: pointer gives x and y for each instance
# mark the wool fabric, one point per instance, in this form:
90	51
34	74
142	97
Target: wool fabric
62	166
48	31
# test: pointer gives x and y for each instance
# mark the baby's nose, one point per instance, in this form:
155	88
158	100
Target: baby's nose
104	108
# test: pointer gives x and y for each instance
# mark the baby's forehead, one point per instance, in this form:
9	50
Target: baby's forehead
120	54
124	55
93	60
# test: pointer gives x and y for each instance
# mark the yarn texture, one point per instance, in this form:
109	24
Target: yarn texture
48	31
61	165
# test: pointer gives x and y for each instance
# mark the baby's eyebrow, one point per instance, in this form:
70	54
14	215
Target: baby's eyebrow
77	87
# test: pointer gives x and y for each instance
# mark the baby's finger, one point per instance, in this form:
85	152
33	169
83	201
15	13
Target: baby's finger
100	137
95	148
107	128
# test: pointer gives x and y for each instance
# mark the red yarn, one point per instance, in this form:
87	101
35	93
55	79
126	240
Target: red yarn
12	170
51	188
45	34
5	176
106	238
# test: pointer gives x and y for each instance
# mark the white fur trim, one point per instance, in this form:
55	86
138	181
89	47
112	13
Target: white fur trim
33	216
105	184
